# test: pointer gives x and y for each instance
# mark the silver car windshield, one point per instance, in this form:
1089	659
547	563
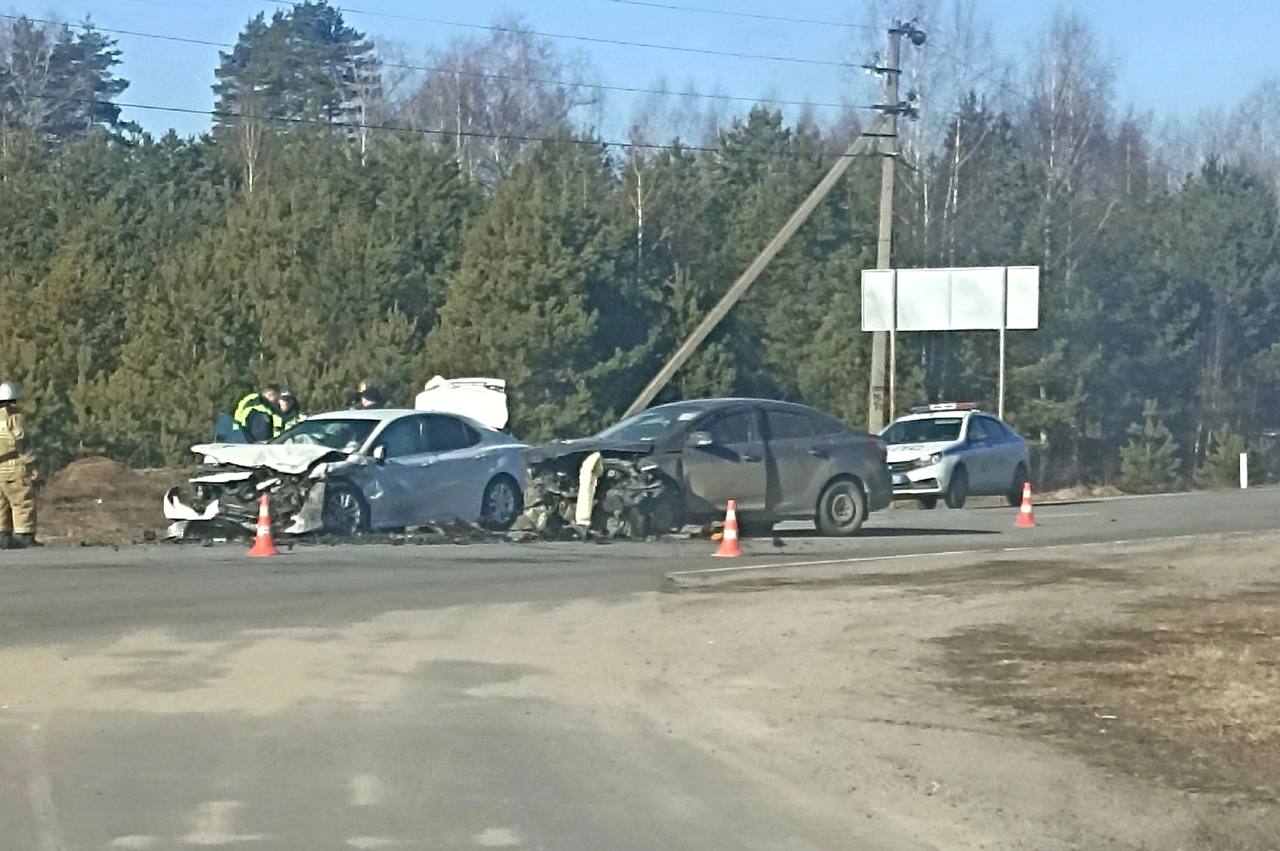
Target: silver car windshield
343	435
941	430
651	425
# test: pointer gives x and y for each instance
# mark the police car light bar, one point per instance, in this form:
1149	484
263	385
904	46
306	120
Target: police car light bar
945	406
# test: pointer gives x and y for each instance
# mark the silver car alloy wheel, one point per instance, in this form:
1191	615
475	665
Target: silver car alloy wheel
500	504
345	513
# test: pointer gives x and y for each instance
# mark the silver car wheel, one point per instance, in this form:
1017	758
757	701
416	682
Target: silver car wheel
344	513
501	504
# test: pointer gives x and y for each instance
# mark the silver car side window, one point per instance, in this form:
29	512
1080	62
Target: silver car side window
402	438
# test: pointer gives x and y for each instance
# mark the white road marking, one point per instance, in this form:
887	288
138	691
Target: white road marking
40	791
137	842
369	842
747	568
214	825
497	837
366	791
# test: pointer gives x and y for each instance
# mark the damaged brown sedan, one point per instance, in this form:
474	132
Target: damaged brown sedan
679	464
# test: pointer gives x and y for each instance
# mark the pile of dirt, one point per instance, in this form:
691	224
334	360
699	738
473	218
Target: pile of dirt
101	501
1078	493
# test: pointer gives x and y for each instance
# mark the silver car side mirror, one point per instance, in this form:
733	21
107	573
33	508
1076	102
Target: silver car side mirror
380	454
700	439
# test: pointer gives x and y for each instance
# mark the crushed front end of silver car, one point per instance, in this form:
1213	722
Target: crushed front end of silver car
225	499
588	487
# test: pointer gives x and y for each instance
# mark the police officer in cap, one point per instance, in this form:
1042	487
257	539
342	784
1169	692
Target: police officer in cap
17	492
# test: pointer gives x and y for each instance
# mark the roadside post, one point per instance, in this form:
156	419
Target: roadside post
1244	471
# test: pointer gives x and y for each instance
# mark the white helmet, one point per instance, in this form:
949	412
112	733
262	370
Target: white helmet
10	392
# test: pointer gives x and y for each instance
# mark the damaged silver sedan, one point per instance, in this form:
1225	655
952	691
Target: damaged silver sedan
349	472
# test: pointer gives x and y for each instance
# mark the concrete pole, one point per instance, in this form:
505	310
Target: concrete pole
879	402
740	286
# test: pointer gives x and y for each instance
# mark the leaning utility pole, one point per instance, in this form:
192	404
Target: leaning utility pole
740	286
880	340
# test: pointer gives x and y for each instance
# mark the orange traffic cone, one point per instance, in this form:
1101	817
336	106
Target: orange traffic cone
1026	519
264	545
729	541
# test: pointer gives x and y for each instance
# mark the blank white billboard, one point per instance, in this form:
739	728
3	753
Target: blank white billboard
924	299
877	300
1024	298
951	299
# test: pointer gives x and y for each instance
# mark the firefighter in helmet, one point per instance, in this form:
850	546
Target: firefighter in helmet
17	494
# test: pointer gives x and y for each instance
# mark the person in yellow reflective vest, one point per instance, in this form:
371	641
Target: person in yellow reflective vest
257	415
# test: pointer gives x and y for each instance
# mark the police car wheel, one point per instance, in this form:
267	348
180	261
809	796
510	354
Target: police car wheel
958	488
841	508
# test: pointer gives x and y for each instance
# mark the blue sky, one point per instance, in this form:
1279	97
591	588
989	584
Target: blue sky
1174	55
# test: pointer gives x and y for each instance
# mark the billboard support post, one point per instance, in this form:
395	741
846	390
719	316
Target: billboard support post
1004	323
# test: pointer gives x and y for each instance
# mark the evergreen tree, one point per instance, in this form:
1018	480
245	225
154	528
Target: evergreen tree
1149	461
1221	465
306	63
532	298
57	84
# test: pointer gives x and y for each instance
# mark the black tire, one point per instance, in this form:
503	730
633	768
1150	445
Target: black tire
958	488
667	513
501	505
345	511
929	503
1020	478
842	508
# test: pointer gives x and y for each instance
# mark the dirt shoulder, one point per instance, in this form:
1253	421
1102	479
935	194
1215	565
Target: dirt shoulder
1091	697
1096	697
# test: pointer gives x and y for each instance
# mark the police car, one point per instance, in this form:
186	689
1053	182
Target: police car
952	451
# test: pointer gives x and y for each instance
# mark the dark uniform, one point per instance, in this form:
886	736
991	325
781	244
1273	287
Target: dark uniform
257	418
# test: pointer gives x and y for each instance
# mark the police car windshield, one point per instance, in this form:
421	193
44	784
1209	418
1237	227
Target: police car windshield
938	430
343	435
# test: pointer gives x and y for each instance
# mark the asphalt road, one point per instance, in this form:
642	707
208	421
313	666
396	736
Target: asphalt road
437	767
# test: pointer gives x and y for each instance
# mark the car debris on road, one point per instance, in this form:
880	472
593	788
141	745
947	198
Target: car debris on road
583	487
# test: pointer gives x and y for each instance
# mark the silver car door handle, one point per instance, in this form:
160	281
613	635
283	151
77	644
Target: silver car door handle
747	456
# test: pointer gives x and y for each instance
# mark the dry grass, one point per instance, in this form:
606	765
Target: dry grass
1187	692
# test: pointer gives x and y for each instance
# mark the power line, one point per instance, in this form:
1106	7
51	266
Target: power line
392	128
457	71
359	125
672	7
646	45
